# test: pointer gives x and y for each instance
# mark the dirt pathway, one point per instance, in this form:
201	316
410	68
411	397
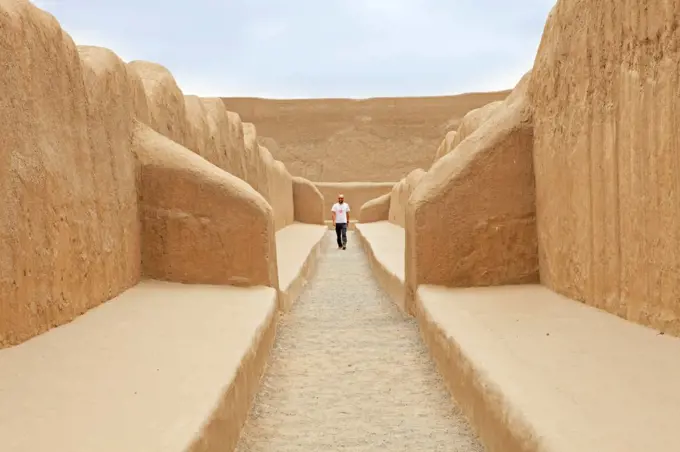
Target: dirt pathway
349	373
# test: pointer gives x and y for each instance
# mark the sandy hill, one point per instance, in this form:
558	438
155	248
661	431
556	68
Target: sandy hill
340	140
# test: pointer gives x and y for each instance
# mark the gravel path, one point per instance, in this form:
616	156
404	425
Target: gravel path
349	373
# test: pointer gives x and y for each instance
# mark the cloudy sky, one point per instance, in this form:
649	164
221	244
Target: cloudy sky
318	48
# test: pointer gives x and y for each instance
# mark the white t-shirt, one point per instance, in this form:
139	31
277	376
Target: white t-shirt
340	212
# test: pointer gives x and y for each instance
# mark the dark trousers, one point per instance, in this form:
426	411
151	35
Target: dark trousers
341	233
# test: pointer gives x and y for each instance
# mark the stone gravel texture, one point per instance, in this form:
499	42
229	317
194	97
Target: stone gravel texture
350	373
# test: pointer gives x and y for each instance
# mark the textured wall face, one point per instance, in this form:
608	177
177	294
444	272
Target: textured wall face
281	192
200	224
307	202
167	110
471	219
401	192
473	121
70	184
605	96
445	146
377	209
68	227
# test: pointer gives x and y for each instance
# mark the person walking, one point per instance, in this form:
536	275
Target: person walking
340	212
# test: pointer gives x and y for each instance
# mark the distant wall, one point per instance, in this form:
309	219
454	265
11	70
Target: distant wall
68	228
471	219
604	93
281	193
356	194
401	192
167	110
308	202
377	209
345	140
445	146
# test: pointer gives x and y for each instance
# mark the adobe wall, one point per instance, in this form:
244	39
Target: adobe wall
167	109
401	192
281	192
308	202
472	121
605	94
200	224
83	216
445	146
68	229
377	209
356	194
471	219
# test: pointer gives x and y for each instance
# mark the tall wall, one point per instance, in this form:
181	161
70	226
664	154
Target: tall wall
68	224
471	220
100	183
200	224
605	98
345	140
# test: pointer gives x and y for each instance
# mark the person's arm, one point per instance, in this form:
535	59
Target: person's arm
333	214
348	215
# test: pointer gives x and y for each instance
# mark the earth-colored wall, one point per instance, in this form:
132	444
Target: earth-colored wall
401	192
445	146
71	189
207	128
200	224
68	228
472	121
281	192
345	140
377	209
356	194
605	96
167	110
471	219
308	202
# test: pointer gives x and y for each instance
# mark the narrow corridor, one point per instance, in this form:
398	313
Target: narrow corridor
348	372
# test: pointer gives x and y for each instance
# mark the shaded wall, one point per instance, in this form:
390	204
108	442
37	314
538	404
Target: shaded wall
200	224
308	202
71	189
471	219
605	94
68	229
377	209
401	192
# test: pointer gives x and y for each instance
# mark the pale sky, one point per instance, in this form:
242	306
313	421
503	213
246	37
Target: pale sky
318	48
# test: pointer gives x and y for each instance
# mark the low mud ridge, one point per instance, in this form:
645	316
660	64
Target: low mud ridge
349	373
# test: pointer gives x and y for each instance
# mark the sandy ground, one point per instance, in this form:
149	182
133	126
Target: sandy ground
349	373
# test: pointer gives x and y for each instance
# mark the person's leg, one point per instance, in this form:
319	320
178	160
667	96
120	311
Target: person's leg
338	232
344	235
